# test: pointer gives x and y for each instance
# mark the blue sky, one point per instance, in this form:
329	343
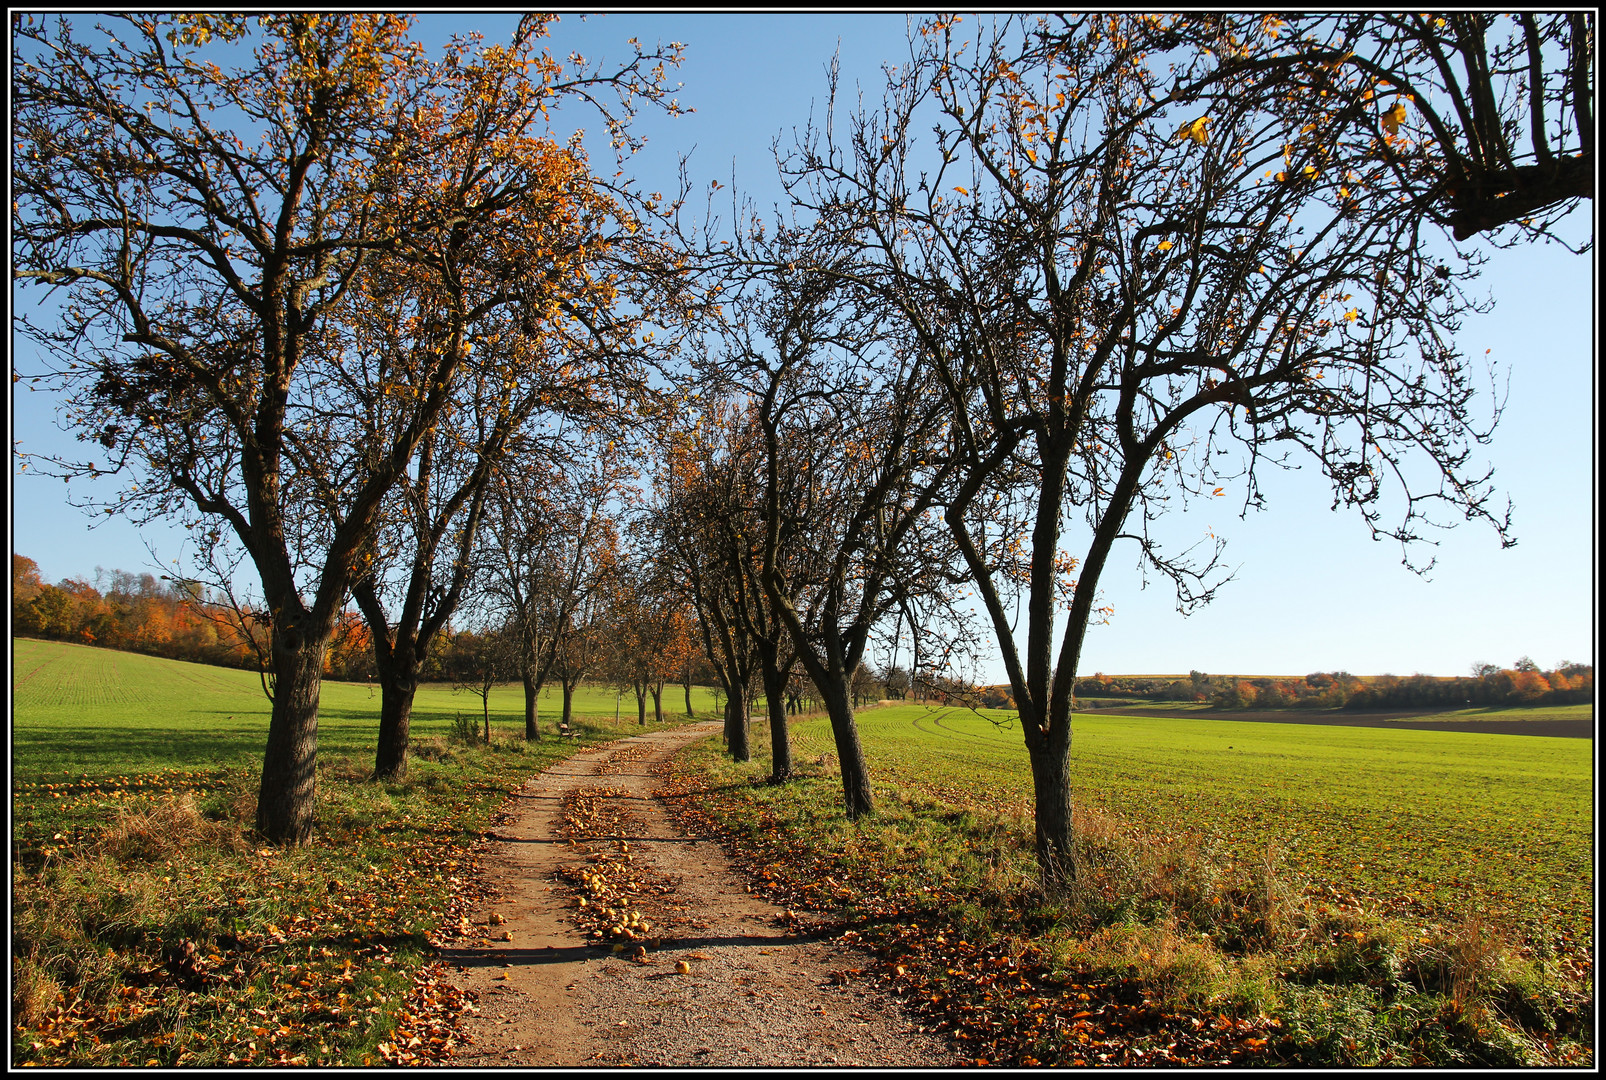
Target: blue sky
1312	591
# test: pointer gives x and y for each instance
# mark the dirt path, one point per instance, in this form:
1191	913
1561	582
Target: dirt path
731	980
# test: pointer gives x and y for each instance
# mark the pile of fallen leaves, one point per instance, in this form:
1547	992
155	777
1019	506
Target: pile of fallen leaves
629	755
428	1024
1004	1004
610	888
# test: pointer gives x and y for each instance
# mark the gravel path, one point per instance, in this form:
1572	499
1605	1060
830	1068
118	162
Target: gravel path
727	979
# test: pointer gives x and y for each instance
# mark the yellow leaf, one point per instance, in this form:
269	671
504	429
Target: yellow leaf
961	190
1392	118
1165	245
1196	130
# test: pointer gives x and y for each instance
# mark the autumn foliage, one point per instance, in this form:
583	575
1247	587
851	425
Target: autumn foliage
1522	684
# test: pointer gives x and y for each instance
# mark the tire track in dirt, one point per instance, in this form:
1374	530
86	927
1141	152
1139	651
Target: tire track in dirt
728	979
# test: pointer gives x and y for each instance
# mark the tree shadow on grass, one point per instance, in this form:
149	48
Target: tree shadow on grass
204	740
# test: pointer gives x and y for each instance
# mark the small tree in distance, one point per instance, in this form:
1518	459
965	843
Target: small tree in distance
481	661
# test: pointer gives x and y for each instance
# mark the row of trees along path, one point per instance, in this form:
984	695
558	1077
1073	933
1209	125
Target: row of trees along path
344	309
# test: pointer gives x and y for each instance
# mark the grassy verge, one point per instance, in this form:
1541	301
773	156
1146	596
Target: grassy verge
149	927
1179	945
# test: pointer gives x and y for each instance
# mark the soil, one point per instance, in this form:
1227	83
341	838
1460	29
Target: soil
722	978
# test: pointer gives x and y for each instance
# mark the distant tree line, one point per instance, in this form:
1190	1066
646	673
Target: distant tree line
184	620
176	619
1521	684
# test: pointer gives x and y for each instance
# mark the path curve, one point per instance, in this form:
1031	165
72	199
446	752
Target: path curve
761	989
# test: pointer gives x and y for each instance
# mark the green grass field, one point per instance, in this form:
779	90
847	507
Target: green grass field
1415	820
1353	895
1488	712
78	710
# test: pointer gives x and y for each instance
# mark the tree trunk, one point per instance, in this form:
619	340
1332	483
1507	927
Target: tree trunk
398	685
850	756
780	733
687	687
736	723
568	700
1051	791
395	723
658	703
641	706
287	797
532	698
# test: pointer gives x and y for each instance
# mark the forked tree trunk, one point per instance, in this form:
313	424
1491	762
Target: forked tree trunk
850	755
287	797
736	723
398	686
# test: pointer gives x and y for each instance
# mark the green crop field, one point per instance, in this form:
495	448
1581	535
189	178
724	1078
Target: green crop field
1482	713
1347	895
1416	821
78	710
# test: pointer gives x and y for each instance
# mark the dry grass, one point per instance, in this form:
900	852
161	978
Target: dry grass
1466	963
171	827
34	989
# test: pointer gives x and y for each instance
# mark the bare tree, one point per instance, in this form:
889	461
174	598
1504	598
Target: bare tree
211	342
853	452
1485	120
551	555
1127	306
482	661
